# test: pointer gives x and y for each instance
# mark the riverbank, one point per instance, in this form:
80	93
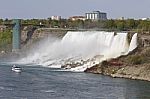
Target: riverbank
136	65
140	72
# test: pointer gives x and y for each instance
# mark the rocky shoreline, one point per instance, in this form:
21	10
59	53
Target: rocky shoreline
136	65
139	72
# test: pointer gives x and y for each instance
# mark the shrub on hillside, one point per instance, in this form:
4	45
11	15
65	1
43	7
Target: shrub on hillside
136	59
147	53
104	63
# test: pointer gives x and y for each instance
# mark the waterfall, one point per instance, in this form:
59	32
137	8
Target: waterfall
80	50
133	43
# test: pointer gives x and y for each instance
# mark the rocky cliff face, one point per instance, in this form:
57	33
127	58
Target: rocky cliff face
30	35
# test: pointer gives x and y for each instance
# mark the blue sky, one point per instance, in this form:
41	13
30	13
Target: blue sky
66	8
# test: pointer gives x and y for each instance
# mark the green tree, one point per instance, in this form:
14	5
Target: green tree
1	21
5	40
130	24
110	24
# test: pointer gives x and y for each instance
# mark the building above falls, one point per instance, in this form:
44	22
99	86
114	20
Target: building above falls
74	18
56	18
96	15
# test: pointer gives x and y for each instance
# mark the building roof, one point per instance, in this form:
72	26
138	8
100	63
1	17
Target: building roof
96	12
77	17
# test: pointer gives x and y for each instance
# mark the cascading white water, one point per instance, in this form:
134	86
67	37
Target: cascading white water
87	48
133	43
119	46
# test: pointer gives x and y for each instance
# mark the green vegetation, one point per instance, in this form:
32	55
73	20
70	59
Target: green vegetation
128	25
136	59
111	25
140	58
5	40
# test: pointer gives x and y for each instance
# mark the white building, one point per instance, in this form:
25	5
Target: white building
96	15
56	18
74	18
145	18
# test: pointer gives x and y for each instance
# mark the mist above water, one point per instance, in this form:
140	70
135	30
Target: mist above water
87	48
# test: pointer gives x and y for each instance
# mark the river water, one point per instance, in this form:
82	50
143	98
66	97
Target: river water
37	82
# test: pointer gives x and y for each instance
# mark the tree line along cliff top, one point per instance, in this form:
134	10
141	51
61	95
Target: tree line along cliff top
111	24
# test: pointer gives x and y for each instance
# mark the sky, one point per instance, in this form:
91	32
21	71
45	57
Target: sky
25	9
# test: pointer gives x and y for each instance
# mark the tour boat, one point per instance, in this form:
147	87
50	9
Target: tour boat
16	69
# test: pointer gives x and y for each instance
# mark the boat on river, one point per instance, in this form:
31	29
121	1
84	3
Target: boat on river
16	69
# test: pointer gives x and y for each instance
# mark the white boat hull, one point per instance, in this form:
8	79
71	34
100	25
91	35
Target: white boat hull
16	70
